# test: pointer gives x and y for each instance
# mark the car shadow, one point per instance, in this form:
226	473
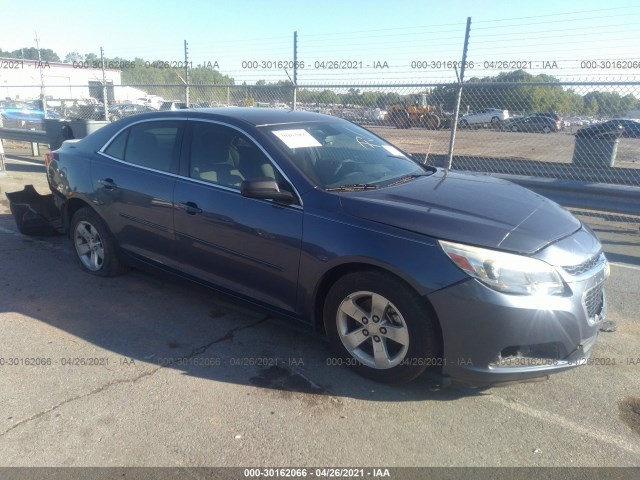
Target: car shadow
156	321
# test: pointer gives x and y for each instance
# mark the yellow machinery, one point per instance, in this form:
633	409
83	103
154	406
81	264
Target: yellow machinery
413	112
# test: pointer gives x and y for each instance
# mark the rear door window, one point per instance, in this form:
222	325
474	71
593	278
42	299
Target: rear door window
150	144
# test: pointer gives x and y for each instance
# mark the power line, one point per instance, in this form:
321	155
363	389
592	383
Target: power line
573	13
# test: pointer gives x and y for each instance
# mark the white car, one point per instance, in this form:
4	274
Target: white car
493	116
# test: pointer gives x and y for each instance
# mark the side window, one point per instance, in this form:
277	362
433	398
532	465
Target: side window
150	144
211	158
117	147
224	156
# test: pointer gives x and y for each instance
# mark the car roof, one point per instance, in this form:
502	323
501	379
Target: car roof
250	117
257	116
268	116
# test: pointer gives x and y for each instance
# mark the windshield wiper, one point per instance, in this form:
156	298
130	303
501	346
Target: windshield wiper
354	186
406	178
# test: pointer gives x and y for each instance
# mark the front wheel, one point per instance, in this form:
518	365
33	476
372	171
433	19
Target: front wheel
380	327
430	121
94	245
401	119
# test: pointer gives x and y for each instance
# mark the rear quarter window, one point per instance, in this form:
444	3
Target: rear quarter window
117	147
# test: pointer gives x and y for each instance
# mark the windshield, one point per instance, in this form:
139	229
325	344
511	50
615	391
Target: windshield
342	156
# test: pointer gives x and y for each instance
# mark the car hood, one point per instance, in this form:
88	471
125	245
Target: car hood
472	209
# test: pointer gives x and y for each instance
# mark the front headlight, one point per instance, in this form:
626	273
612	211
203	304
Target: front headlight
505	272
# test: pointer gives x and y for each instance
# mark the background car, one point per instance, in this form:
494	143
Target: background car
172	105
532	123
116	112
630	127
555	116
85	110
493	116
21	114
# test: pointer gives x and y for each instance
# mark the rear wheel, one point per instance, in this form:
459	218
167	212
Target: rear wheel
546	129
380	327
495	121
95	247
464	124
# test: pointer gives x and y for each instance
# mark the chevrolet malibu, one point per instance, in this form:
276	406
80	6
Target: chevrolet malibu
404	266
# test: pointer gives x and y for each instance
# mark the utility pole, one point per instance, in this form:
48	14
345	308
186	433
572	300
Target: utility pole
186	73
43	99
105	100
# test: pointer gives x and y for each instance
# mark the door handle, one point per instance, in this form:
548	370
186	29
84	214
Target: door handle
107	183
190	207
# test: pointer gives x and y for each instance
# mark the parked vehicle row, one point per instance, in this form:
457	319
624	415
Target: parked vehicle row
533	123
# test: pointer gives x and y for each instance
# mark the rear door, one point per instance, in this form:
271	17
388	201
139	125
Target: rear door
246	245
134	177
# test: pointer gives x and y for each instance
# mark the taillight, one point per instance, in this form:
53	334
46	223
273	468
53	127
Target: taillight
47	159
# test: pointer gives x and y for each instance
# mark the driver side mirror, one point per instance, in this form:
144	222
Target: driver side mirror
265	188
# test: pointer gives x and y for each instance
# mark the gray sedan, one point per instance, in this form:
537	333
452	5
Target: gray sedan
404	266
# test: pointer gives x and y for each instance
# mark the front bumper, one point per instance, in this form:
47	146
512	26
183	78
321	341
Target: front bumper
490	337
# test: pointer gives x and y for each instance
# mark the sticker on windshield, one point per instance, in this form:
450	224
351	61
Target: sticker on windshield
393	151
297	138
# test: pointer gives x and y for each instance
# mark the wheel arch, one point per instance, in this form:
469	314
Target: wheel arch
338	271
72	205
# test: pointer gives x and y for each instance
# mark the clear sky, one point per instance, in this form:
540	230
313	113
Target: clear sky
363	32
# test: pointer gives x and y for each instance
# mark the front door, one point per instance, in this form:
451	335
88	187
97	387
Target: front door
246	245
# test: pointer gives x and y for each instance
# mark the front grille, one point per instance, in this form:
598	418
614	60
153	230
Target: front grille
584	266
594	301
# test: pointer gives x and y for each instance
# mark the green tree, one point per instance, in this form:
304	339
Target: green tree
31	53
73	57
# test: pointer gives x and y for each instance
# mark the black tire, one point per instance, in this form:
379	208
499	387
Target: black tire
546	130
404	312
96	250
515	129
401	119
464	124
430	121
495	121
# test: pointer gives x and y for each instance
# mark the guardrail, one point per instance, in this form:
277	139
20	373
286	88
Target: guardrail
602	197
34	137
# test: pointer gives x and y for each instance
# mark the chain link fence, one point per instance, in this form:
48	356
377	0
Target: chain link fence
498	131
489	113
